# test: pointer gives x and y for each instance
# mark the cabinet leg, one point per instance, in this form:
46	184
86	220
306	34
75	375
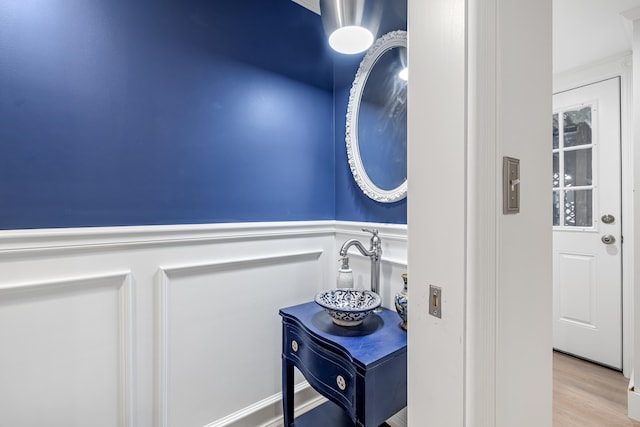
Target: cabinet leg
287	392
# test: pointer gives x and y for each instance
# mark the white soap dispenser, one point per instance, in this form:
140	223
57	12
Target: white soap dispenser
345	275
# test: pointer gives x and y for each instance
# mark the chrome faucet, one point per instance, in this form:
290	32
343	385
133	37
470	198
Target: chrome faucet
374	253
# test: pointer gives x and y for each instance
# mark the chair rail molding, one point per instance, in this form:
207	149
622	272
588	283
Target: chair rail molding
100	238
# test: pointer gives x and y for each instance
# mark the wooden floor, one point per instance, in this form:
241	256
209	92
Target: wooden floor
588	395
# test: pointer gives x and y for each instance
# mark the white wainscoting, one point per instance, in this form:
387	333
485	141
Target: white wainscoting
168	326
66	354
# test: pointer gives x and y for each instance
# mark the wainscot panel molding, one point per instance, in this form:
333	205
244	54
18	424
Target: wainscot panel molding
172	326
224	311
68	351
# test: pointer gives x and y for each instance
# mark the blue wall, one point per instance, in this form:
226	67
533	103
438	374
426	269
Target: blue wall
129	112
351	203
134	112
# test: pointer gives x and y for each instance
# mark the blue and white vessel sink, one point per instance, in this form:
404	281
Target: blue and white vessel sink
347	306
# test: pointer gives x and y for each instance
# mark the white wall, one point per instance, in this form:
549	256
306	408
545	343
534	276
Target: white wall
480	90
524	285
163	326
437	210
634	393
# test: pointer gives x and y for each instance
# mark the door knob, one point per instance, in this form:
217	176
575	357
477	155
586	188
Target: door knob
608	239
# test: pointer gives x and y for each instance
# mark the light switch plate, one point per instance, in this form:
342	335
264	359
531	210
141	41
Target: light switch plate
510	185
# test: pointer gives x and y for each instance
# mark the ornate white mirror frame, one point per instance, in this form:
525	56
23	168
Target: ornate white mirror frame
375	52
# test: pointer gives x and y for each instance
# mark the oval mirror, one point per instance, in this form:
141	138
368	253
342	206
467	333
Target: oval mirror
376	131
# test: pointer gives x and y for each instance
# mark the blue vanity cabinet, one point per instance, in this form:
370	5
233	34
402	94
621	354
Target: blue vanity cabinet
361	370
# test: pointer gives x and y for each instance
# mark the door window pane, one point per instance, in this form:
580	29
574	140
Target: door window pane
556	132
556	208
572	167
577	168
556	170
577	127
578	208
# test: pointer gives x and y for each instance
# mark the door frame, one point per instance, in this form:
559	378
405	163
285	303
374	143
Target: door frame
465	107
619	66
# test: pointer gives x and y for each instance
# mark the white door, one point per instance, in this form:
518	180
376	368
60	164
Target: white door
587	241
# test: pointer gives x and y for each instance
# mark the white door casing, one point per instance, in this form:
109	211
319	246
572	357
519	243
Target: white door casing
587	282
496	276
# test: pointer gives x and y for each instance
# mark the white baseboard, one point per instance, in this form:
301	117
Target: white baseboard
633	400
268	412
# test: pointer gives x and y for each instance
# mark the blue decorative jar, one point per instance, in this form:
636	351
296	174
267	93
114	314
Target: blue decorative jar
401	303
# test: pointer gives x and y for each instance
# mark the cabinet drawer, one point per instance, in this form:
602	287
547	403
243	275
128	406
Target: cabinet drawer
323	369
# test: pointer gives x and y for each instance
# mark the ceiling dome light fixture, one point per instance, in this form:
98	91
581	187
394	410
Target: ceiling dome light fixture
351	39
346	22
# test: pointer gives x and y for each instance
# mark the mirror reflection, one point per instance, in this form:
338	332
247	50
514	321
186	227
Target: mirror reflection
376	133
382	121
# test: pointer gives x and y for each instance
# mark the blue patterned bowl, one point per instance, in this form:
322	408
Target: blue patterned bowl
346	306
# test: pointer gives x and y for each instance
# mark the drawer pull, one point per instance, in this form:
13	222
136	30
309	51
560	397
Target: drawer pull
294	346
342	383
